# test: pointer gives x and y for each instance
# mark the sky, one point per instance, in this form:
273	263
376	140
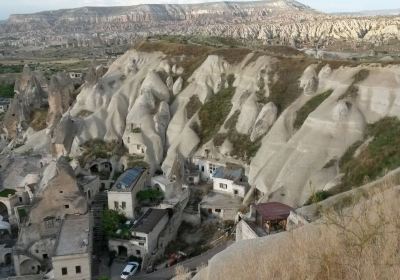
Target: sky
8	7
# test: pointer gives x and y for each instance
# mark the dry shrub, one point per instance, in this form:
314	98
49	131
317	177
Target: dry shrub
359	242
181	273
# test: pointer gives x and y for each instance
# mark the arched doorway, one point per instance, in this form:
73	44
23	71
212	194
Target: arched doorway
7	259
122	251
94	169
29	266
4	211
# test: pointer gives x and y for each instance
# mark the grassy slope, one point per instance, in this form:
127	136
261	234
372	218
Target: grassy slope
309	107
381	155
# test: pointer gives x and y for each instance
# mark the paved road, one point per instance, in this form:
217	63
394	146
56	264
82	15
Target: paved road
169	272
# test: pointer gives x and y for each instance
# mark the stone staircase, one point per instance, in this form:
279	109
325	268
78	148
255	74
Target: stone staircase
98	205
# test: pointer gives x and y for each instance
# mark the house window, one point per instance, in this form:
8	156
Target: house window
141	243
89	195
20	199
61	191
223	186
202	168
64	271
138	147
115	204
123	205
217	210
66	206
236	192
138	252
78	269
45	256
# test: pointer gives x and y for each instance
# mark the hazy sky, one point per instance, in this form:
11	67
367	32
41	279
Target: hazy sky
8	7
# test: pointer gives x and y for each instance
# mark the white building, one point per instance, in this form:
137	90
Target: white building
4	104
230	181
75	75
220	205
73	251
122	196
144	235
207	167
133	140
162	183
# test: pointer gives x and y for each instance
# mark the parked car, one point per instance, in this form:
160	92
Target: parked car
129	270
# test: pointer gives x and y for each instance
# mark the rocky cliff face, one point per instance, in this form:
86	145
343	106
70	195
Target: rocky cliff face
274	21
286	119
135	102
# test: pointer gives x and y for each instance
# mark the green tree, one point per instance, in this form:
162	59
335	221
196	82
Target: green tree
112	220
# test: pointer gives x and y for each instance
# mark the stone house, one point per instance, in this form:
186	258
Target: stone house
230	181
90	186
207	167
220	205
144	234
56	197
122	196
134	140
72	257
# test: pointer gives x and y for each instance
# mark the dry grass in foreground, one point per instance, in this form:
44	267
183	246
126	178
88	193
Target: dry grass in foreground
359	242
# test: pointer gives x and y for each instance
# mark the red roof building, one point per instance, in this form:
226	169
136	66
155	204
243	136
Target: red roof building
272	216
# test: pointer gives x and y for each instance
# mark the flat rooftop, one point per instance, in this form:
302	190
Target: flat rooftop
127	181
228	173
74	236
273	210
220	200
147	222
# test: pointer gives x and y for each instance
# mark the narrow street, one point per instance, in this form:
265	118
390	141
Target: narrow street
168	273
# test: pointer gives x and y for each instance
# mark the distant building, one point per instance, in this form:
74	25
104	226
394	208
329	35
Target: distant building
122	196
144	235
4	104
230	181
75	75
72	257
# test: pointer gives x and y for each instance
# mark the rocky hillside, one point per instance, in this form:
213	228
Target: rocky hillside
271	21
304	129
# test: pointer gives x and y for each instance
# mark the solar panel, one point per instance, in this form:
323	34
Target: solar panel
129	177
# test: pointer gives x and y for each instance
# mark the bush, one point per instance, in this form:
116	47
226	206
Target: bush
214	112
317	197
193	106
112	221
97	148
149	195
7	90
38	119
286	89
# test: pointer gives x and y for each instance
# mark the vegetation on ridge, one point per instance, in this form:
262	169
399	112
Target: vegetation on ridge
214	112
309	107
382	154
